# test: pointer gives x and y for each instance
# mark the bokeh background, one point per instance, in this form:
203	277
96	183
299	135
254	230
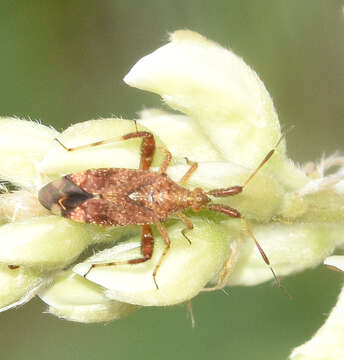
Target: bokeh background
63	62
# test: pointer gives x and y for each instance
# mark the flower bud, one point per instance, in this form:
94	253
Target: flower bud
74	298
22	145
48	242
184	271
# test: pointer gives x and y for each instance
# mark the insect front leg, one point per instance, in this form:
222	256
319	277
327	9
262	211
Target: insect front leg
192	169
188	223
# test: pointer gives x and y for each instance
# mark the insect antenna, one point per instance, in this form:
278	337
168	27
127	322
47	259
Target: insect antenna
262	252
268	156
265	257
234	190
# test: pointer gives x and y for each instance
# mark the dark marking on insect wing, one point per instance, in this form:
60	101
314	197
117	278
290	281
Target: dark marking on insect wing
112	196
62	195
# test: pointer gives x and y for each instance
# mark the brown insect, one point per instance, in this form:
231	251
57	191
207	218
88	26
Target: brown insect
113	196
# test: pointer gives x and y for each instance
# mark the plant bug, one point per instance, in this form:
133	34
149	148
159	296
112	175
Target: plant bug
119	197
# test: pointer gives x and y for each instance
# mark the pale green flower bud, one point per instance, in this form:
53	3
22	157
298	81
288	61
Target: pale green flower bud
18	285
48	242
224	95
185	270
74	298
22	145
217	89
184	139
20	205
291	248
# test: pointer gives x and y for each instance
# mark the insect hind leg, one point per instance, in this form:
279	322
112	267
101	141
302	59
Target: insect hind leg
147	245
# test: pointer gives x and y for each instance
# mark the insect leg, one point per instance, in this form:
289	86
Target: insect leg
192	169
188	223
164	235
224	274
166	161
236	214
85	146
147	151
147	245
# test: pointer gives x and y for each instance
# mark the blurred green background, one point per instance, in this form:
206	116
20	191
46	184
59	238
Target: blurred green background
63	62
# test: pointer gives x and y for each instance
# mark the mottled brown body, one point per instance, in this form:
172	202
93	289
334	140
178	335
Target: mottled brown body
139	197
126	196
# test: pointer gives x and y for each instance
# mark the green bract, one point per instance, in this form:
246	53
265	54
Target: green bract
228	127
